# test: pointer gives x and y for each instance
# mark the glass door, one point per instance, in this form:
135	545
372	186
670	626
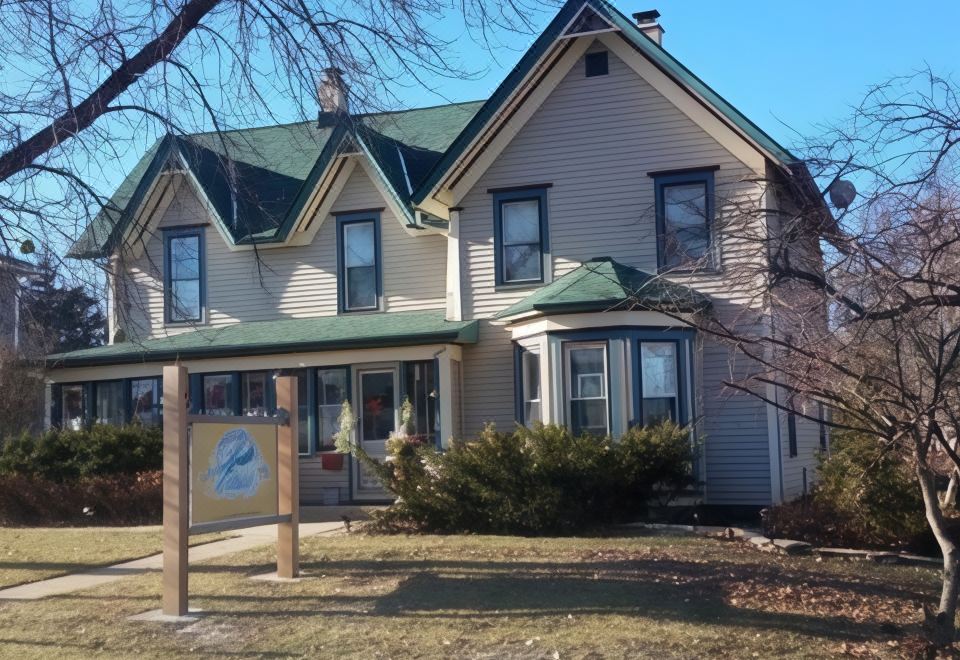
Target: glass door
377	418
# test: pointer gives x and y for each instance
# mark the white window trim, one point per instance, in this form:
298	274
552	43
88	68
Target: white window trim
525	384
568	399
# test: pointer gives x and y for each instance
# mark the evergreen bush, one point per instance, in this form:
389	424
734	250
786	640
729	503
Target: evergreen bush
542	480
63	455
866	496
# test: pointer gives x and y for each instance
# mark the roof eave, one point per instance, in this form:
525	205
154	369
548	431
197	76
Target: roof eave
465	334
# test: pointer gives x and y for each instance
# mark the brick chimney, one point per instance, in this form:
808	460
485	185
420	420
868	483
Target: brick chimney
647	22
332	93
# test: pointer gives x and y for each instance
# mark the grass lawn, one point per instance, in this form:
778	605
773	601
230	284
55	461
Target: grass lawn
466	597
31	554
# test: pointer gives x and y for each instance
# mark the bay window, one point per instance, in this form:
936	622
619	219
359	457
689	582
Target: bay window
586	387
530	388
658	382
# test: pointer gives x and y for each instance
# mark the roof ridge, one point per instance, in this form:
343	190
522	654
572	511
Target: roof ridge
362	115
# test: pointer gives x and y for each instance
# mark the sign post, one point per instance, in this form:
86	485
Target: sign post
288	533
176	512
223	473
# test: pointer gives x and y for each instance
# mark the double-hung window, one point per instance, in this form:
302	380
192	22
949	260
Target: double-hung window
146	401
360	268
109	402
685	223
520	234
530	384
332	391
586	370
184	290
419	386
73	405
218	394
253	393
659	382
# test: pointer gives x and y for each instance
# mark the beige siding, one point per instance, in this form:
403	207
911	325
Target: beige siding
288	282
314	480
595	140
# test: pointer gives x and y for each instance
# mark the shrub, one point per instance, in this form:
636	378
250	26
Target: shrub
123	499
60	455
865	496
532	481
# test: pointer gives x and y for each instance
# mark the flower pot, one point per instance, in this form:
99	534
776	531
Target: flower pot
331	461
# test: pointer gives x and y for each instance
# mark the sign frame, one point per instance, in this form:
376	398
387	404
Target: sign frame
176	484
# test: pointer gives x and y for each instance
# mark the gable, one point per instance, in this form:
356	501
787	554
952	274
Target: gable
499	116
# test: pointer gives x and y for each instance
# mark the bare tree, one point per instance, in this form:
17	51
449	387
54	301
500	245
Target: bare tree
86	84
861	312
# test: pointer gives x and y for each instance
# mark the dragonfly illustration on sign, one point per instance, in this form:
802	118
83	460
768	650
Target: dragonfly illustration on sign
236	467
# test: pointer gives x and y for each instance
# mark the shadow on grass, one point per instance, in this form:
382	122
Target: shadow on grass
669	590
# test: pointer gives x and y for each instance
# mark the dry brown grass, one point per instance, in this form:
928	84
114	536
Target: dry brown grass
482	597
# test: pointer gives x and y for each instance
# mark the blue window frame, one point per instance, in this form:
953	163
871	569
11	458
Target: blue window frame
146	400
660	380
332	389
359	262
685	220
792	433
110	405
521	237
184	276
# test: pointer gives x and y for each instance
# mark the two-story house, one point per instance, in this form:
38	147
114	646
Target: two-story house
494	261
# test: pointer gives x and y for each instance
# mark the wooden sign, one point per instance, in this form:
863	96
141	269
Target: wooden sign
226	473
233	474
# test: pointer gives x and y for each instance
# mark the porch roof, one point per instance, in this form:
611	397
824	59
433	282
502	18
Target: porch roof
325	333
604	284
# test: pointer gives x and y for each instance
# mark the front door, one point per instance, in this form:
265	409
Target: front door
377	418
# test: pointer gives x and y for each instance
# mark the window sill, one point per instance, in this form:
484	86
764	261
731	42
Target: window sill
690	272
359	312
185	324
519	286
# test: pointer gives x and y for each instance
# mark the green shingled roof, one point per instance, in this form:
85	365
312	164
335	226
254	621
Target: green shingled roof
276	167
603	284
284	336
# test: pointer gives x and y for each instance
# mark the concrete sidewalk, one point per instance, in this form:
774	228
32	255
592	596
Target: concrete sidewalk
246	539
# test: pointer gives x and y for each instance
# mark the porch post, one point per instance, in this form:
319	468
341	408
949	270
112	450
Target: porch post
445	389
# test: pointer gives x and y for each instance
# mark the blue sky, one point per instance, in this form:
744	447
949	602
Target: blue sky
789	66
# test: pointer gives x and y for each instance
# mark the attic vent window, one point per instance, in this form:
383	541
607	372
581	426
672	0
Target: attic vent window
596	64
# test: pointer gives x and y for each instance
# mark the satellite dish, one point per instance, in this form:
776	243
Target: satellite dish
842	193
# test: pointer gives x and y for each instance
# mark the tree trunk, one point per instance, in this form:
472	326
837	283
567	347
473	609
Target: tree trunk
943	623
950	496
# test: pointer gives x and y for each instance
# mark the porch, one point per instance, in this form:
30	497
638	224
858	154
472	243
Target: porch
375	362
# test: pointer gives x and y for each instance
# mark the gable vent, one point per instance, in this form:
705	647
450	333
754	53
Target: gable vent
596	64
